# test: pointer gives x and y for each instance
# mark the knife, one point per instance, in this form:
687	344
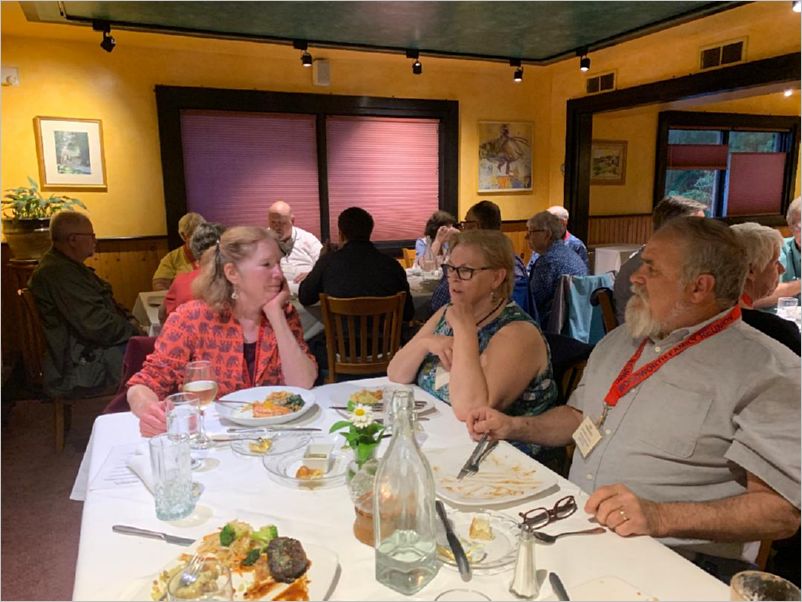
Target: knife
453	541
468	467
268	429
557	586
181	541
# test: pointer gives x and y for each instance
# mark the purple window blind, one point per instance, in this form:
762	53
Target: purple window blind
238	164
755	183
387	166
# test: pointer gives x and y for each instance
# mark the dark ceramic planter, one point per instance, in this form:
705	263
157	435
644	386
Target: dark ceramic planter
27	238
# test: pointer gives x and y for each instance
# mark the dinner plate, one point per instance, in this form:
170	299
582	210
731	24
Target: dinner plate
497	552
506	475
244	414
322	574
281	443
283	468
343	395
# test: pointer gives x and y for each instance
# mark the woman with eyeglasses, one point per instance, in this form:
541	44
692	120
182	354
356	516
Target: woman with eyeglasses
241	321
481	349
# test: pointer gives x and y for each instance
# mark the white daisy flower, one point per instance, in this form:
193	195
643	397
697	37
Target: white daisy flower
362	416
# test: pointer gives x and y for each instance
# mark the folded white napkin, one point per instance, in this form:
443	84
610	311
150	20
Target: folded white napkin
139	463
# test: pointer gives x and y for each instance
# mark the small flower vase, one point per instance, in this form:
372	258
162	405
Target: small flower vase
360	478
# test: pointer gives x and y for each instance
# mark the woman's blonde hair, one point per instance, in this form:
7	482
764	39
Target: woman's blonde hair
497	251
235	245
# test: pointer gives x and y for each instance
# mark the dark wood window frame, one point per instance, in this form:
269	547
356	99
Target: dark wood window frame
171	100
788	127
580	111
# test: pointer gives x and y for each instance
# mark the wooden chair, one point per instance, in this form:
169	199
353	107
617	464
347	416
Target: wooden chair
34	348
409	257
603	297
362	333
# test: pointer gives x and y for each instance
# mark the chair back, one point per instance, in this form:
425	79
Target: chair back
568	359
603	298
572	313
362	333
33	344
409	257
136	351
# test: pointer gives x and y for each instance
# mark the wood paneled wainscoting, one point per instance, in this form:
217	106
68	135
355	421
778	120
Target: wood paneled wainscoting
126	263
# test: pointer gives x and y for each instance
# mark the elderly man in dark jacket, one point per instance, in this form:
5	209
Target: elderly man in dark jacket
85	328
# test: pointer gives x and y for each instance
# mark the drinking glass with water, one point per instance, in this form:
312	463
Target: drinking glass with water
172	476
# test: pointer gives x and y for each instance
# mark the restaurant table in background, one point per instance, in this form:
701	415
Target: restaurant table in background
146	310
112	566
609	258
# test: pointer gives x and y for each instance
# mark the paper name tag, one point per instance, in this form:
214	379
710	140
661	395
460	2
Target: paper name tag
441	377
586	437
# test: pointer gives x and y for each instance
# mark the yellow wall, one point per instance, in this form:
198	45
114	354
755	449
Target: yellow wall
771	29
64	73
638	126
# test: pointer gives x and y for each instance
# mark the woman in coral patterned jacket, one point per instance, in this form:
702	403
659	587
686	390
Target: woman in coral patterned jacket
241	322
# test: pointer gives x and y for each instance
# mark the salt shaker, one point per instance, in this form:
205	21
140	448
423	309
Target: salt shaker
524	581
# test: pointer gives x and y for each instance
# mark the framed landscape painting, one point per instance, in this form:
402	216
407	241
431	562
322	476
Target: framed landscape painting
505	156
70	153
608	162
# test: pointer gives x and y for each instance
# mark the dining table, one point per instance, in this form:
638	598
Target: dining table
113	566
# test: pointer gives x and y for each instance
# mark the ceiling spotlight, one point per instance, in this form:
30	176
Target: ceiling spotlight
518	76
108	43
306	58
584	59
788	92
796	5
417	67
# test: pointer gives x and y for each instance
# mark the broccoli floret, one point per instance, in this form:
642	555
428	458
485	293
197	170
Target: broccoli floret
233	531
265	534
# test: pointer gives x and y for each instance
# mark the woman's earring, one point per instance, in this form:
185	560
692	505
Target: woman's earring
493	296
235	294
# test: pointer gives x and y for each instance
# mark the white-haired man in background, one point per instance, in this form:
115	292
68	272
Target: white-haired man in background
301	248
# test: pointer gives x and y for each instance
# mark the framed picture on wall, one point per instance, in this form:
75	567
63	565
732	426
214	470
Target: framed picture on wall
505	156
70	153
608	162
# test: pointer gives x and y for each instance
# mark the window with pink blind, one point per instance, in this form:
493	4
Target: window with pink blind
237	164
387	166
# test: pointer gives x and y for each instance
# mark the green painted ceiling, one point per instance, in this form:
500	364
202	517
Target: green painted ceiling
536	32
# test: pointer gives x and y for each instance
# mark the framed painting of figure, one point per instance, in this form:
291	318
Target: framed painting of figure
505	156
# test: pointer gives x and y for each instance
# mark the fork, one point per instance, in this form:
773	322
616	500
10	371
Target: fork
191	572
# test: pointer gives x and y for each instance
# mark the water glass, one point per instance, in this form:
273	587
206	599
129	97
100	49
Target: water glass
172	477
183	415
757	585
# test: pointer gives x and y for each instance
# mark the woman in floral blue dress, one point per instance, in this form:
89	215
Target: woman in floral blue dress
481	349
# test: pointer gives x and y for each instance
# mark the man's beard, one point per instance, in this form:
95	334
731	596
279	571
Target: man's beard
638	315
639	319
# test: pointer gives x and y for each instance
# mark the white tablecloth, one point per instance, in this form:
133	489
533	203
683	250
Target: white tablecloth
111	566
610	257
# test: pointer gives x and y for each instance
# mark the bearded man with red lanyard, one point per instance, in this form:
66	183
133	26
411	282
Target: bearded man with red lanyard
687	420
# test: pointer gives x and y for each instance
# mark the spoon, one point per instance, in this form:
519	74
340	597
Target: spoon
546	538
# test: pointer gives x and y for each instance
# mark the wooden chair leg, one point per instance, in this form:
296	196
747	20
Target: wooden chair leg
67	417
58	422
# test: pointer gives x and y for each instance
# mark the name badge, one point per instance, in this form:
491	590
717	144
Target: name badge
587	436
441	377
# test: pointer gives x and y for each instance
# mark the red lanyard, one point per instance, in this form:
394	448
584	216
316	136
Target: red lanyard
747	300
627	380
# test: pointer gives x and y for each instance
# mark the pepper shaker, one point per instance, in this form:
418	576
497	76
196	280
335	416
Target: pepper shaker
524	582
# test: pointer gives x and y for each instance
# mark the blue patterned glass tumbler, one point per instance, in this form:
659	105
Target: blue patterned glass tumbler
172	477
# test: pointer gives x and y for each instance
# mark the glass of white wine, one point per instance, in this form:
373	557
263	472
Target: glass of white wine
199	379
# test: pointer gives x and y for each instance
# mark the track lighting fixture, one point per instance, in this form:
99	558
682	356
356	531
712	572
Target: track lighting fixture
518	76
108	43
796	6
417	67
584	59
306	58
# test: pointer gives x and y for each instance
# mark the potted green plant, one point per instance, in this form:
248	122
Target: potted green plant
26	218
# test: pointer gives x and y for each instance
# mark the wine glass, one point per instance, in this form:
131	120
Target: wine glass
211	581
199	379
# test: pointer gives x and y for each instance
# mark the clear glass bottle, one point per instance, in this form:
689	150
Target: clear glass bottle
428	262
403	507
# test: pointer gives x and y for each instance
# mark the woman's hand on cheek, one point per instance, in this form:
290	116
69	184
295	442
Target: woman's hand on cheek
279	300
459	316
